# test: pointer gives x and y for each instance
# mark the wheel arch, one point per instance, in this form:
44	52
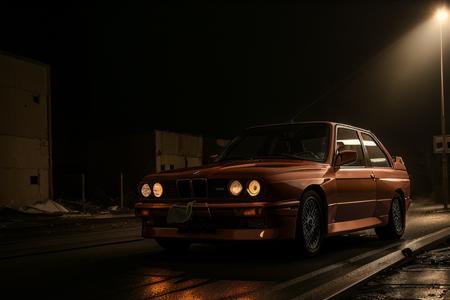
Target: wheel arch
402	199
318	189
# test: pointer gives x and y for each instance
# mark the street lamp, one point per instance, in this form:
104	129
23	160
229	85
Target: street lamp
441	16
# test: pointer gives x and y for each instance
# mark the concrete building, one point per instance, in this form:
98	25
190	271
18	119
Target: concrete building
135	155
176	150
25	139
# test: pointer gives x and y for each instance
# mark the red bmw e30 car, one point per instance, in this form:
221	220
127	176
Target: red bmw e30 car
296	181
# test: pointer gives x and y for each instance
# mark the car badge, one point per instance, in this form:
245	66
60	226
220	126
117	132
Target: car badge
196	172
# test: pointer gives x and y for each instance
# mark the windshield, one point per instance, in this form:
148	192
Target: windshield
296	141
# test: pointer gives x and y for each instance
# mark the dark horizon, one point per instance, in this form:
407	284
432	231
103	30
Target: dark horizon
215	69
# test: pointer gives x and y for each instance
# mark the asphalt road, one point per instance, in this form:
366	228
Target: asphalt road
115	263
427	276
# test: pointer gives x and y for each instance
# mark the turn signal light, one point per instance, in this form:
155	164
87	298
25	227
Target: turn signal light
145	212
248	212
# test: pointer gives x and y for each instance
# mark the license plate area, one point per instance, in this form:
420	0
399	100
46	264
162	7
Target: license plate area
188	218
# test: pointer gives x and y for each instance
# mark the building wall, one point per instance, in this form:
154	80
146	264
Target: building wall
24	132
177	150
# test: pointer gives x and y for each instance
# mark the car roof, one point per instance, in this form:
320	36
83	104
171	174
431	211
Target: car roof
334	124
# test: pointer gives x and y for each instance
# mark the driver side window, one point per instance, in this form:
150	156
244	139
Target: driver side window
348	139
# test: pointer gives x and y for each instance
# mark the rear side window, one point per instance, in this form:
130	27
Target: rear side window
347	139
376	155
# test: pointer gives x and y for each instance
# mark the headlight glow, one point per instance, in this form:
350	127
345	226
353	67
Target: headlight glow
146	191
235	187
253	188
157	189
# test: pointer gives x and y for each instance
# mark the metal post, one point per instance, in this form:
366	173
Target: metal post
83	192
443	132
121	190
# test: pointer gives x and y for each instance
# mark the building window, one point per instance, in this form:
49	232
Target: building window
163	167
34	179
36	99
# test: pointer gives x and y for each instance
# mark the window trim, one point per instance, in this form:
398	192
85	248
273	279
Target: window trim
381	147
362	148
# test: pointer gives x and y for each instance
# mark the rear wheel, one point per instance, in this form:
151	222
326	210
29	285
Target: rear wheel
174	245
310	229
395	228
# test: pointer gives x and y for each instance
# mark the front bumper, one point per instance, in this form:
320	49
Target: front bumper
243	221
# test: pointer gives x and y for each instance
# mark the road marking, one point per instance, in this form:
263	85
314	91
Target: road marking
326	269
346	281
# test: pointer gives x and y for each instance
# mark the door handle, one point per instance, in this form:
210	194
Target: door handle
373	176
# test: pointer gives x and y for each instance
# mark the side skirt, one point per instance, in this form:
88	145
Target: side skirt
355	225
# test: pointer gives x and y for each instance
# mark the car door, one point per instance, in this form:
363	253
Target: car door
384	174
355	186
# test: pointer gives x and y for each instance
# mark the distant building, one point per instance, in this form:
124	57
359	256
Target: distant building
177	150
136	155
25	138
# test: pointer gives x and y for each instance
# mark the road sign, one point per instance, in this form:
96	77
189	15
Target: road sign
438	145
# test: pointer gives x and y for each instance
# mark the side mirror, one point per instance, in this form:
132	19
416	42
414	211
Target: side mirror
345	157
213	158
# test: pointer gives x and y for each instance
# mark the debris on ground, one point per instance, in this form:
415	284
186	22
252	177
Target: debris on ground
48	207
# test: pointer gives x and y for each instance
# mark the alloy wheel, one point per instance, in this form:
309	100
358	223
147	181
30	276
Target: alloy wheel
397	218
311	223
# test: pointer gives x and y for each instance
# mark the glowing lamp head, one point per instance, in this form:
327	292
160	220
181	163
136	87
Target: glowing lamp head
253	188
441	15
146	190
235	187
157	190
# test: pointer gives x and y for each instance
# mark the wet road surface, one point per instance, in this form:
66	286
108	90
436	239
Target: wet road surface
139	269
426	277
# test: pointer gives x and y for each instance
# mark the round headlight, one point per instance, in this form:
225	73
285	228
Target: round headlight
146	191
157	189
253	188
235	187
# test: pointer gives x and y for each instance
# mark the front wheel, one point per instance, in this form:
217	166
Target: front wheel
174	245
395	228
310	220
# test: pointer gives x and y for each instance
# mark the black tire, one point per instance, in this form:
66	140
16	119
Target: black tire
310	231
395	227
174	245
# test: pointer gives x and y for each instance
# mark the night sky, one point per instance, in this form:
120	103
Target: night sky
216	68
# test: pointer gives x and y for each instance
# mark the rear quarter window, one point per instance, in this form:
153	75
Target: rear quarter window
348	139
377	157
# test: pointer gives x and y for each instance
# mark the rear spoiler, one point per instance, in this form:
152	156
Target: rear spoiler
399	164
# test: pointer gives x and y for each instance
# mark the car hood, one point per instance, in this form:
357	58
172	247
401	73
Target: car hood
258	168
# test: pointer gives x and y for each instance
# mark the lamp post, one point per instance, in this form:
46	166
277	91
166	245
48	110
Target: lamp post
441	16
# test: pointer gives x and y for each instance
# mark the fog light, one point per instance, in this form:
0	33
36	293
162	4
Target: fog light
145	213
249	212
